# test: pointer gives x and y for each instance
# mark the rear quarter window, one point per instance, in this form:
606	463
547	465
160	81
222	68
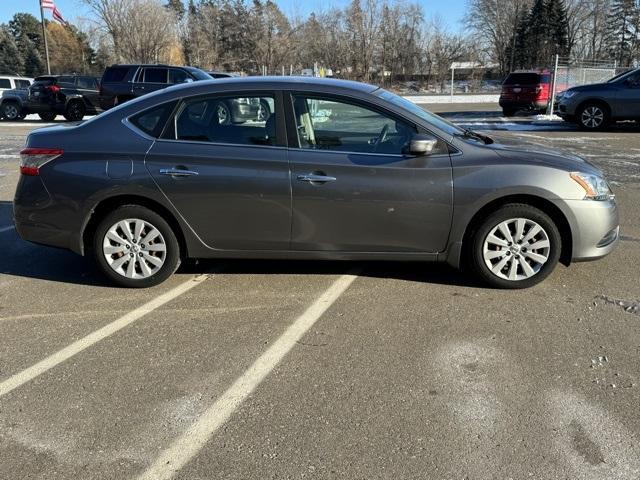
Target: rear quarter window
5	83
152	121
115	74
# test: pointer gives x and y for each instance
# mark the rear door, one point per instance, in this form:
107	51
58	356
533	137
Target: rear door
150	79
354	188
88	88
230	182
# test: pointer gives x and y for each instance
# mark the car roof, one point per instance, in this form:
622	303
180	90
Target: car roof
284	82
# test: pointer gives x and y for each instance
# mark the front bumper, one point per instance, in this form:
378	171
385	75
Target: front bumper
595	228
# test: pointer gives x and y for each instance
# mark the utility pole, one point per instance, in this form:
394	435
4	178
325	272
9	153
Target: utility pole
44	36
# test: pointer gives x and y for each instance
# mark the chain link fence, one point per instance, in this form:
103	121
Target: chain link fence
571	73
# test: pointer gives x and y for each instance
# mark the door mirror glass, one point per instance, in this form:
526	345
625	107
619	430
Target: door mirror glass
421	145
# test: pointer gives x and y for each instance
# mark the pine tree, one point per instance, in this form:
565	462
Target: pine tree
33	64
622	31
10	60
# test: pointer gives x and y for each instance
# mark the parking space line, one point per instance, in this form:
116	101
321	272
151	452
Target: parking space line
187	445
6	229
78	346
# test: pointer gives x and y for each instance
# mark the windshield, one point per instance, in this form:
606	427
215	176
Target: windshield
199	74
621	75
428	117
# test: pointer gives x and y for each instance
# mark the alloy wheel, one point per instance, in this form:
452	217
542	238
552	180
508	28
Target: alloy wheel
516	249
134	248
223	114
592	117
10	111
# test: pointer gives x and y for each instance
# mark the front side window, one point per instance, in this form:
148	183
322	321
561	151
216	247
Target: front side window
155	75
247	120
87	83
326	124
178	76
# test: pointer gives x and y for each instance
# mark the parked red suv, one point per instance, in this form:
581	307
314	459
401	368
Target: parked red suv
525	90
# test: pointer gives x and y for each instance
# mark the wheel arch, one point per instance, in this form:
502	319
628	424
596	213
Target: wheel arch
107	205
540	203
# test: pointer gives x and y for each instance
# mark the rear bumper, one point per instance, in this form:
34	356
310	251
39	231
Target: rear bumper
523	104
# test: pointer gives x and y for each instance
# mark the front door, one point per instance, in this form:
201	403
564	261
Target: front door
150	79
628	97
353	187
229	181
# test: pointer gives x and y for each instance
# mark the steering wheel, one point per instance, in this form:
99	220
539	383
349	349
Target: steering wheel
381	138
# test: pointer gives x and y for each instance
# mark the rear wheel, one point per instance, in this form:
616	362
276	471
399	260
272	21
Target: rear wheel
11	111
74	111
593	116
136	247
48	116
517	246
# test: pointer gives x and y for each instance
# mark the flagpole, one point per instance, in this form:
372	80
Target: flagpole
44	36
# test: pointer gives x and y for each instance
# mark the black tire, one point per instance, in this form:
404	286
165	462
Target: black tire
518	250
593	116
265	111
151	218
75	111
11	111
508	112
224	114
48	116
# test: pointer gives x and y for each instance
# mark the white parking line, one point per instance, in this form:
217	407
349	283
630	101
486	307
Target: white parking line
6	229
185	447
78	346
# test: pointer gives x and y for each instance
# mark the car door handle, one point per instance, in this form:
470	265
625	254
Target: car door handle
177	172
316	178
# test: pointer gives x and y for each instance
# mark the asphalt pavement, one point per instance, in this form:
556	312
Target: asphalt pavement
350	370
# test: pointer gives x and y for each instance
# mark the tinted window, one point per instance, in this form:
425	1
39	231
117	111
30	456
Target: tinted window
155	75
66	81
523	79
5	83
243	121
22	83
177	76
335	125
153	120
115	74
87	83
43	81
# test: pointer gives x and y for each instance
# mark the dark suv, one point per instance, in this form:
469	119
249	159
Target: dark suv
124	82
525	91
73	96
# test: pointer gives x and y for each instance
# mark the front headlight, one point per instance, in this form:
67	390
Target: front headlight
595	187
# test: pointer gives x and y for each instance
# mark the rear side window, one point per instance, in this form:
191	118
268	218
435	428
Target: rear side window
88	83
5	83
152	121
155	75
66	81
523	79
115	74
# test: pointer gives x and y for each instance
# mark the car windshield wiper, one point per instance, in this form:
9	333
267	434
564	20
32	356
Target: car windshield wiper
468	133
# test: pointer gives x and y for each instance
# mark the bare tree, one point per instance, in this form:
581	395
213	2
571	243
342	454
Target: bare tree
140	30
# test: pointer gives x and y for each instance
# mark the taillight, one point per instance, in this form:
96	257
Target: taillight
32	159
538	89
52	88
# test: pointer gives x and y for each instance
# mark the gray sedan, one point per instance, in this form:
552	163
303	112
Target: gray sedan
336	170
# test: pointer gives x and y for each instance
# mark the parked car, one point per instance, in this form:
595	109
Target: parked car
525	90
220	74
11	82
597	105
72	96
121	83
11	104
339	170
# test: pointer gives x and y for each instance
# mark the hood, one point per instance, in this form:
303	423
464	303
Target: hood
537	155
591	87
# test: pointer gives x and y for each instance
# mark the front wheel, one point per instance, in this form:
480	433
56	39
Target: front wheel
593	116
136	247
517	246
11	111
74	111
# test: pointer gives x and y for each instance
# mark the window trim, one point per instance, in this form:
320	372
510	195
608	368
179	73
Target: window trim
281	133
293	133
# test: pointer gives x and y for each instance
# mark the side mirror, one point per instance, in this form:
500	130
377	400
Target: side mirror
188	80
421	144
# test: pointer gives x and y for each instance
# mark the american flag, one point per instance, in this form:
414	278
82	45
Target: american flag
49	5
